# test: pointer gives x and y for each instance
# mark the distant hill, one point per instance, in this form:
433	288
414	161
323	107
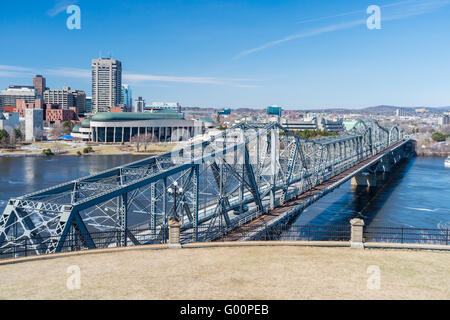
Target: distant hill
386	110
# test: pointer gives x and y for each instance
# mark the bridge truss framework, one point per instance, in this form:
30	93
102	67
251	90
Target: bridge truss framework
229	179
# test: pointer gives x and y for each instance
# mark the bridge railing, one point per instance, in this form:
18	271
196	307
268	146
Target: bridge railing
106	239
275	233
144	236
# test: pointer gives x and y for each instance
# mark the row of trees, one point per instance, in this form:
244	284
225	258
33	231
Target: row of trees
439	136
9	140
143	140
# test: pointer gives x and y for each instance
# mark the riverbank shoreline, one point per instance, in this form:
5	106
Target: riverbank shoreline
80	150
16	155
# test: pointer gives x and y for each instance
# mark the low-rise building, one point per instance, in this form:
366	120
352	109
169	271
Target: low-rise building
13	93
82	130
22	105
314	123
400	112
444	120
158	106
300	124
163	126
54	114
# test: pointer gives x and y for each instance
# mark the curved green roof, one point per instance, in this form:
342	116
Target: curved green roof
206	119
76	128
86	123
133	116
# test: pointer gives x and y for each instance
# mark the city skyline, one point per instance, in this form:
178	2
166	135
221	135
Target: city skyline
226	54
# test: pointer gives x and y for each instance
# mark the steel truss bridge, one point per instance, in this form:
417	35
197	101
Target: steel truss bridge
227	181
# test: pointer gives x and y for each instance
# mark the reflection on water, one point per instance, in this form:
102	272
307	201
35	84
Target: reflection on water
22	175
415	195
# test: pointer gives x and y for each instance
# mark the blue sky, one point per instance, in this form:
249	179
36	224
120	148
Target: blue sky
297	54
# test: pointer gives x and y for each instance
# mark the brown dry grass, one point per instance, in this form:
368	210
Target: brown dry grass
154	148
234	273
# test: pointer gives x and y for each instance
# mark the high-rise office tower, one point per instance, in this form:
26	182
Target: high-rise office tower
127	98
106	84
39	84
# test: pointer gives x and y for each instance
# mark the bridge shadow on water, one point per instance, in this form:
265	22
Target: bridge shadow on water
362	202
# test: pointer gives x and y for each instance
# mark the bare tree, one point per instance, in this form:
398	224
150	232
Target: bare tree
12	140
147	139
136	140
57	131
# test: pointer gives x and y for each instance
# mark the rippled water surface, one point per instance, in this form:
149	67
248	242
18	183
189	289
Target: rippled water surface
417	194
22	175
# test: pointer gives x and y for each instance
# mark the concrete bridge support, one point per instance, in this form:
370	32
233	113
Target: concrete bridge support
385	164
397	157
365	179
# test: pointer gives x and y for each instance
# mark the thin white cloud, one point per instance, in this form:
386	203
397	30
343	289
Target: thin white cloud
70	73
306	34
15	72
138	78
14	68
414	8
354	12
60	6
132	78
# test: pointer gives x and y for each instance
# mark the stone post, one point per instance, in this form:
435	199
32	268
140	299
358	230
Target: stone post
174	234
357	233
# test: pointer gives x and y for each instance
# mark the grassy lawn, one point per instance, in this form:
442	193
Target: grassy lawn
234	273
108	149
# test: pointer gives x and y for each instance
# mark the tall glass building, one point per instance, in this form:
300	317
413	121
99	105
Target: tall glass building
126	97
88	104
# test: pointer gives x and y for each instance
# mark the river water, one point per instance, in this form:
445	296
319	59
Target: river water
417	194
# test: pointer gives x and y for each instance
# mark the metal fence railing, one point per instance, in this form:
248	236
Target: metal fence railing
282	232
407	235
74	242
276	233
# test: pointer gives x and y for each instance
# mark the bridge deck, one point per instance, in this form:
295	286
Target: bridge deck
305	199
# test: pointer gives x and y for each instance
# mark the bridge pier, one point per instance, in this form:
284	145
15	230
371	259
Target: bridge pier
385	164
365	179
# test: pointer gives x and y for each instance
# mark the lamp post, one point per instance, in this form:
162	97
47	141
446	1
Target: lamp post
174	220
176	191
